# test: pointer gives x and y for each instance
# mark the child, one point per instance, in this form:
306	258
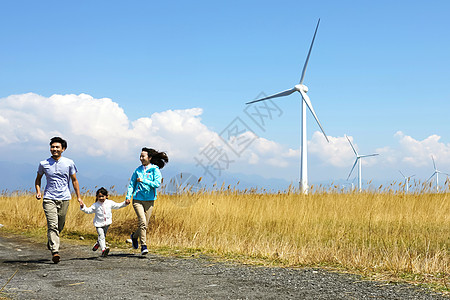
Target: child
103	217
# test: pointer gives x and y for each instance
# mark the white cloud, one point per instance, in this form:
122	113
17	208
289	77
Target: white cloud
180	132
337	152
292	153
265	146
406	153
418	153
270	153
99	127
388	155
254	159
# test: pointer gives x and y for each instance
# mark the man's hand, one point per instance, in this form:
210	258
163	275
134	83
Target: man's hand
81	202
38	196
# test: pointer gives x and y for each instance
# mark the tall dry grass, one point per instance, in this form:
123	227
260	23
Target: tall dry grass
391	233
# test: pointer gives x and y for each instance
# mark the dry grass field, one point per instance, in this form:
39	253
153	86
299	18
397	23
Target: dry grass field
384	235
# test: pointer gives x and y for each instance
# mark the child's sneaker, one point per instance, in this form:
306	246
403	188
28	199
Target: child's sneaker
144	250
95	248
134	242
105	252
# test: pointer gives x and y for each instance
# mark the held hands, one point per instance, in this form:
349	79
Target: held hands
81	203
127	201
38	196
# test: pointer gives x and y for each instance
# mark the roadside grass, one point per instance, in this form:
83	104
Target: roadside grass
381	235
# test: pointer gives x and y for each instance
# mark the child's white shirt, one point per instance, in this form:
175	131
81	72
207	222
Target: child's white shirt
102	210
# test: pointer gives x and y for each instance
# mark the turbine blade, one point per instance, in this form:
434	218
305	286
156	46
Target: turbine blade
308	103
309	53
402	174
354	150
434	164
352	168
281	94
375	154
431	176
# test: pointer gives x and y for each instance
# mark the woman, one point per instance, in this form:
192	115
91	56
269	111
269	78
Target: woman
142	188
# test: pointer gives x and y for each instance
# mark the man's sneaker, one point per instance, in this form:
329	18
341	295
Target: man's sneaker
134	242
105	252
55	257
95	248
144	250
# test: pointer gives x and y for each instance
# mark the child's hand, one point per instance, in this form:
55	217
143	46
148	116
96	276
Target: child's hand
127	201
139	179
81	204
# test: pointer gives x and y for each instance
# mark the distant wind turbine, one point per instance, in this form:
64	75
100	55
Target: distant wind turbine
302	89
358	160
406	180
351	184
436	172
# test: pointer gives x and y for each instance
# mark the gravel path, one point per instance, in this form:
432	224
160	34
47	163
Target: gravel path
82	274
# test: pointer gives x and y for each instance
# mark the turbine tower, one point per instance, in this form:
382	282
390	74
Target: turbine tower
406	180
358	160
302	89
436	172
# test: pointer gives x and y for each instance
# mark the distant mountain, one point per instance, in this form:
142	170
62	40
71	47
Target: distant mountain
16	176
234	180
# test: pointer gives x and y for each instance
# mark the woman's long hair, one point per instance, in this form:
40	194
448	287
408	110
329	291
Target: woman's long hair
158	158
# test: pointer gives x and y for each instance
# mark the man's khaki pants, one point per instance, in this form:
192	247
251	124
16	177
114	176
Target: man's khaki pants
55	212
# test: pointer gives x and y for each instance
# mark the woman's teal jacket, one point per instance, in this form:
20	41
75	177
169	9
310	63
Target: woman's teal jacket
145	190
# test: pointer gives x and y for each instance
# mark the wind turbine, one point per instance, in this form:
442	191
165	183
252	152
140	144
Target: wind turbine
350	184
406	180
436	172
358	160
302	89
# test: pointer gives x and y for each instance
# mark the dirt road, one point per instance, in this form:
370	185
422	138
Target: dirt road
82	274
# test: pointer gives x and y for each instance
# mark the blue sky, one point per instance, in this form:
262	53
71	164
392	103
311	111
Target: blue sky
376	69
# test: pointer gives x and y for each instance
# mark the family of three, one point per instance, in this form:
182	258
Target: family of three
59	171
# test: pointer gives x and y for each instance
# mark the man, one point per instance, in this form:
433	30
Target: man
58	172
